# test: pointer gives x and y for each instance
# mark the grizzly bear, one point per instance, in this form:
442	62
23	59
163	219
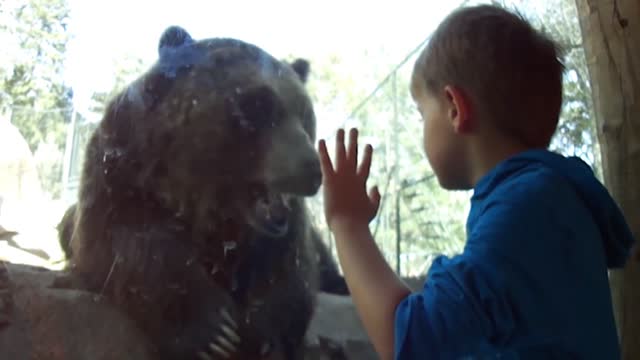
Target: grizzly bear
330	280
191	213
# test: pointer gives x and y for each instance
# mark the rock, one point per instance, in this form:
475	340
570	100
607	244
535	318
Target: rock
336	332
42	322
43	317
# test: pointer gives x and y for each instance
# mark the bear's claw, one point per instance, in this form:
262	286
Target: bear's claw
225	343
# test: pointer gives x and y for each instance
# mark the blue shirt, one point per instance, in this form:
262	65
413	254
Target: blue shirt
532	280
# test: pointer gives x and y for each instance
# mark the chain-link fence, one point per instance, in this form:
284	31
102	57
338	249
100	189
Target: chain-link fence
417	220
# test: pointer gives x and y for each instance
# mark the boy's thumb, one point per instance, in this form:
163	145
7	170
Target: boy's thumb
375	197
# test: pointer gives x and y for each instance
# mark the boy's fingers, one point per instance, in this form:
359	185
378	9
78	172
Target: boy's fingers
352	154
340	151
365	165
325	161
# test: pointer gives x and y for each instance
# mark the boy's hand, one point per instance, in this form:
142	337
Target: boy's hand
346	201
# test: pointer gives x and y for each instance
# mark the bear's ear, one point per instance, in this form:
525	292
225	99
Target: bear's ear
172	37
302	68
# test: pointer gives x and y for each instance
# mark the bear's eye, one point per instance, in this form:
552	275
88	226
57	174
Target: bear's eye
255	108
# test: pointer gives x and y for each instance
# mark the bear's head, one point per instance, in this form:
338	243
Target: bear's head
217	128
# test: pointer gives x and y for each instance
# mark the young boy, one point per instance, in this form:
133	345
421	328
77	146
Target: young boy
532	279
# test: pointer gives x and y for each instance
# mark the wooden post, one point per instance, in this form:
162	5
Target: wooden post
611	38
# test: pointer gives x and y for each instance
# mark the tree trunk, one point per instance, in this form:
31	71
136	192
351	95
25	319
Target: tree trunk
611	38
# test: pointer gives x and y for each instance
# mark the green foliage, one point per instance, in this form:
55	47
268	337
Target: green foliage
31	78
124	71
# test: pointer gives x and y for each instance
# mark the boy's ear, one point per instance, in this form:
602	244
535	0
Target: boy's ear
458	109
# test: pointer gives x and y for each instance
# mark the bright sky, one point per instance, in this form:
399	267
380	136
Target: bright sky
104	30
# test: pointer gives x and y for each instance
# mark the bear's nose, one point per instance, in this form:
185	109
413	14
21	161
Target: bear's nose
312	171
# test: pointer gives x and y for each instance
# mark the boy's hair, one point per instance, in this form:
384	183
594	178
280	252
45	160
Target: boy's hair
511	73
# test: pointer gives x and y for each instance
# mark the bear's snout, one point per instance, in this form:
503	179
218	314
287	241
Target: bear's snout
302	179
311	170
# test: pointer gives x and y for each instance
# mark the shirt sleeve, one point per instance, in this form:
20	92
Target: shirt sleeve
467	305
454	314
